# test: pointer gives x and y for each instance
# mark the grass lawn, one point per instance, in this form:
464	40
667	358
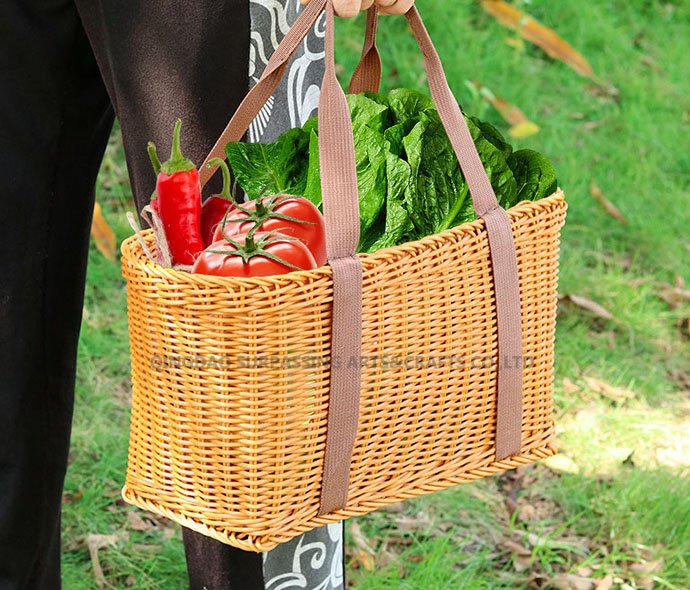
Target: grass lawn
617	503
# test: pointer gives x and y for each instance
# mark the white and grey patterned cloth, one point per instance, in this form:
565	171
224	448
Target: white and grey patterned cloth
313	561
297	98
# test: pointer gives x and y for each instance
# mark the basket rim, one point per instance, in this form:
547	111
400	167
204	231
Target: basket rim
134	257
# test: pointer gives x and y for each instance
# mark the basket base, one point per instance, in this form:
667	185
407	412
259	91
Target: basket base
266	542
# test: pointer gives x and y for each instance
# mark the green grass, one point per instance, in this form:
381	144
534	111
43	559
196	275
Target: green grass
627	503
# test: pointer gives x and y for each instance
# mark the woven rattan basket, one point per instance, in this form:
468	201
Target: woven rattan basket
235	449
236	404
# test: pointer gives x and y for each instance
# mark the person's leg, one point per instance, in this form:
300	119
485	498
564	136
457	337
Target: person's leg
55	118
161	61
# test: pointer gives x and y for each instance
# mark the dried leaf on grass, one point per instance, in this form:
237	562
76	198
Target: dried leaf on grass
102	234
521	126
572	582
651	63
606	583
675	294
587	304
149	523
521	555
646	568
569	386
542	36
97	542
617	394
607	205
413	523
561	464
364	556
592	125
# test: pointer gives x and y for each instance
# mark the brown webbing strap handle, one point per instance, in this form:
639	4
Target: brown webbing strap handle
367	77
367	74
501	244
341	210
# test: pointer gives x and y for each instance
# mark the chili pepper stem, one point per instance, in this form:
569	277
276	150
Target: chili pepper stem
177	161
176	152
227	180
153	156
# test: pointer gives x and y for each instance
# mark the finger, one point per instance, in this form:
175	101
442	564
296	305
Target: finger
398	7
347	8
367	4
385	3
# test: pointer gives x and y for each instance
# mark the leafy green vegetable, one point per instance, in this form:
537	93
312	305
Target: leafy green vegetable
494	136
271	168
436	176
366	112
397	227
409	104
370	153
496	167
534	174
410	182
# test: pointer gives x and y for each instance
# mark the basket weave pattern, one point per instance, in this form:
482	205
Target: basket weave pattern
231	385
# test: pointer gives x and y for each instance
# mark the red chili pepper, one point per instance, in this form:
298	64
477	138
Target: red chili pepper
216	207
179	202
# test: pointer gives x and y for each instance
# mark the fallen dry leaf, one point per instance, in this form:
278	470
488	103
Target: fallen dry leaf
362	559
605	90
617	394
561	464
542	36
646	568
413	523
606	583
365	553
521	126
608	206
587	304
675	294
526	129
592	125
684	328
102	234
569	386
94	544
516	547
572	582
651	63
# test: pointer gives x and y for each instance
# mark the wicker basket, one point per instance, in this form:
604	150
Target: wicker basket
231	380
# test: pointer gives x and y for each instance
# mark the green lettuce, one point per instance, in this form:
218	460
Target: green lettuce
410	183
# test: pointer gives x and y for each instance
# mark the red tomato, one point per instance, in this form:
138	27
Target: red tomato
264	255
212	213
296	217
